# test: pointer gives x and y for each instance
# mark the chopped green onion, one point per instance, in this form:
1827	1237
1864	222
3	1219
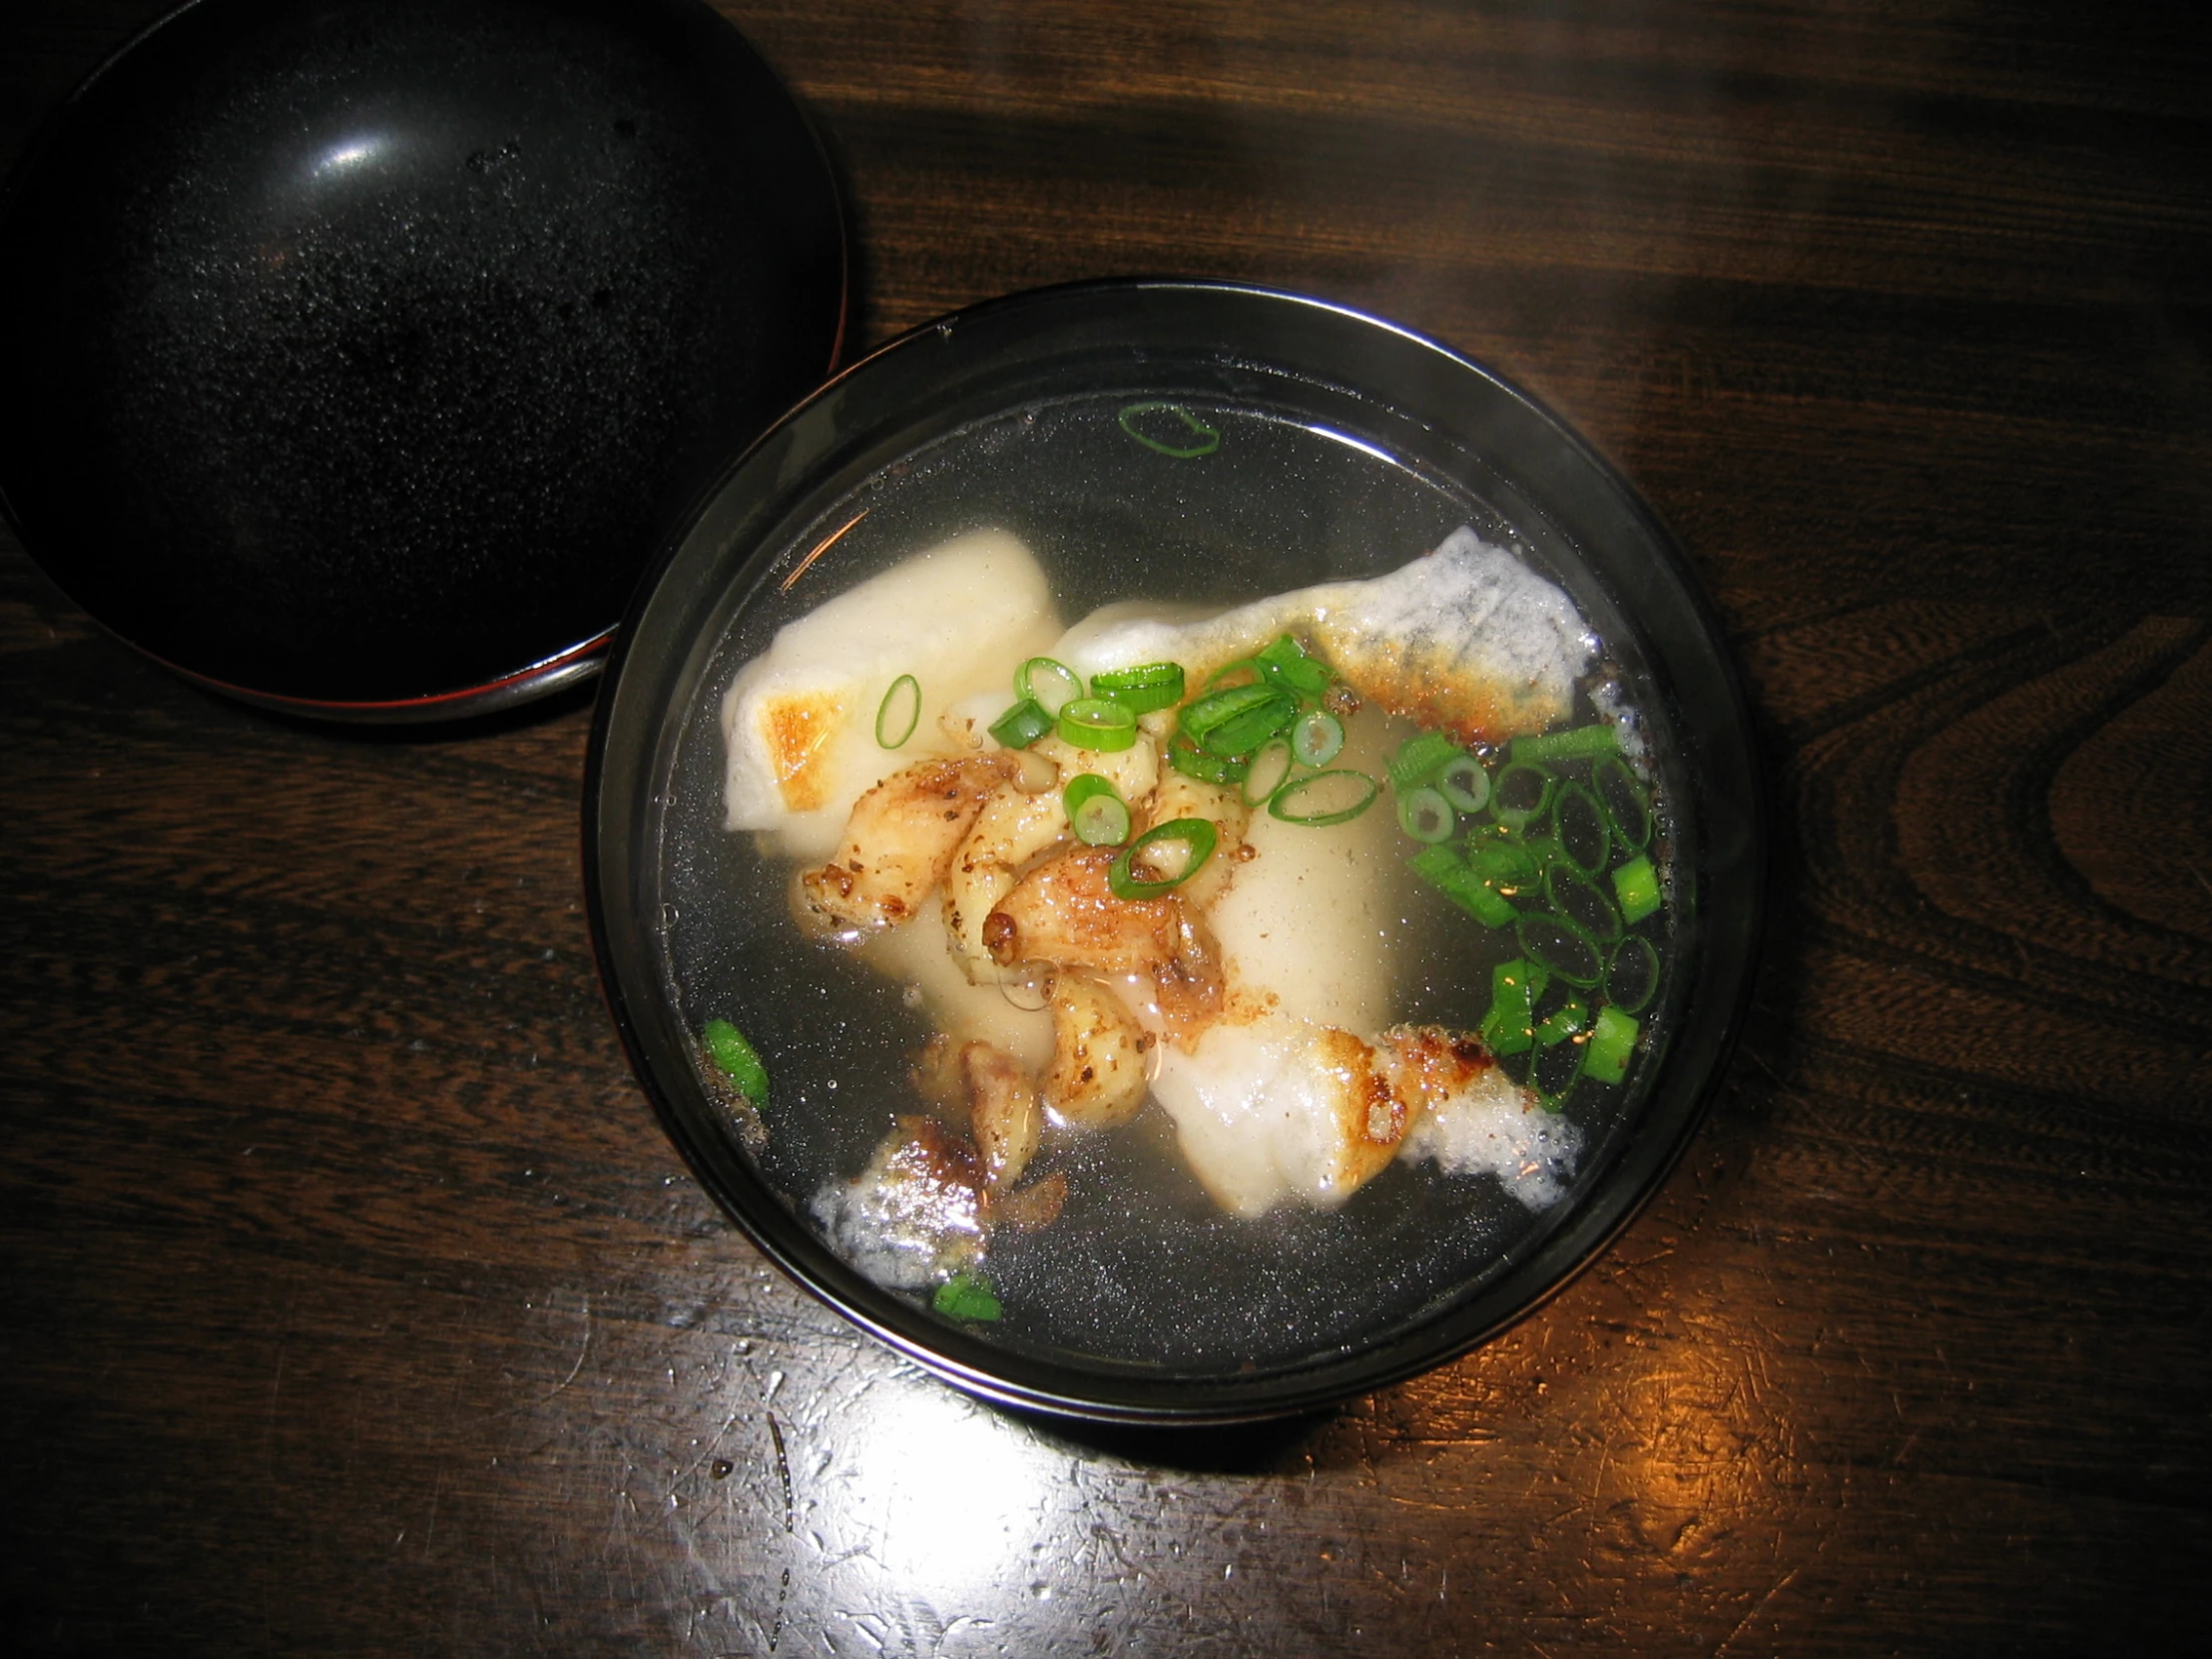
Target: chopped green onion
1196	835
1633	973
1505	863
1553	1073
1021	726
1286	663
1510	1027
1585	839
1465	784
1048	684
1098	722
1421	758
899	712
1440	868
1427	815
1520	793
1318	738
1238	720
1612	1042
1196	439
1561	946
1581	743
1321	798
1269	771
1192	762
736	1059
966	1296
1145	688
1581	903
1562	1022
1637	884
1627	806
1096	812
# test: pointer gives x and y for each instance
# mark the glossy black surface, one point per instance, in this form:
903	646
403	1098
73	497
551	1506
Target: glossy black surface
363	352
1404	394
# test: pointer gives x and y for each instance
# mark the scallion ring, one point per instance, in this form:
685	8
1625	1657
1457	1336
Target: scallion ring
1611	1046
1465	784
1562	946
1419	758
1318	738
1098	722
1201	440
1323	798
1520	793
1096	810
1192	762
899	712
1145	688
1633	973
1269	771
1626	803
1051	685
1427	815
1196	835
1021	726
1582	742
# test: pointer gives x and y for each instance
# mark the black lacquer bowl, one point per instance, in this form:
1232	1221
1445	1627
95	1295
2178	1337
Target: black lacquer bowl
359	352
1346	447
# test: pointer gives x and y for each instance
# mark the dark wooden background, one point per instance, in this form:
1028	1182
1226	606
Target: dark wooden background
353	1301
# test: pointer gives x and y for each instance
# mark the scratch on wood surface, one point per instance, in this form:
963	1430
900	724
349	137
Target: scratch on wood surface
582	1349
1758	1607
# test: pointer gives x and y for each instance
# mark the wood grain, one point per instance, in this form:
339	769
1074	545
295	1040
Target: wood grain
353	1301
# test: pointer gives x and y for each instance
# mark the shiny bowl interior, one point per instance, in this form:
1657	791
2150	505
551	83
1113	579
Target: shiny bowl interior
683	914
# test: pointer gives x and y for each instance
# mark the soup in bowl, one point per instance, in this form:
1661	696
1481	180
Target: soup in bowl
1175	852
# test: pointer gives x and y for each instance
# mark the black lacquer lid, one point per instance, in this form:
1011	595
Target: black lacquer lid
362	352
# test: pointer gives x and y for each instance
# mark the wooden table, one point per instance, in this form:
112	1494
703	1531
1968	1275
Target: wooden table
355	1301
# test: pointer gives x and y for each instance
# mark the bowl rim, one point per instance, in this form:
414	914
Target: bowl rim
1019	1382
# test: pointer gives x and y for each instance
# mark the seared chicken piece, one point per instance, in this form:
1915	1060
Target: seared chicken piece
1012	829
914	1216
1003	1113
1097	1077
1064	912
897	845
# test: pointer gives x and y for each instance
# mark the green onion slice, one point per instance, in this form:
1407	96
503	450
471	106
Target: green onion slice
1287	665
1585	838
1318	738
1564	1021
1098	722
1192	762
1520	795
1145	688
1195	439
1096	812
1510	1027
1507	863
1636	884
1421	758
1633	973
1479	896
1321	798
736	1059
1427	815
1021	726
1269	771
1465	784
1581	903
1051	685
1580	743
1553	1073
1627	805
1612	1044
1239	719
1562	946
1196	835
899	712
966	1296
